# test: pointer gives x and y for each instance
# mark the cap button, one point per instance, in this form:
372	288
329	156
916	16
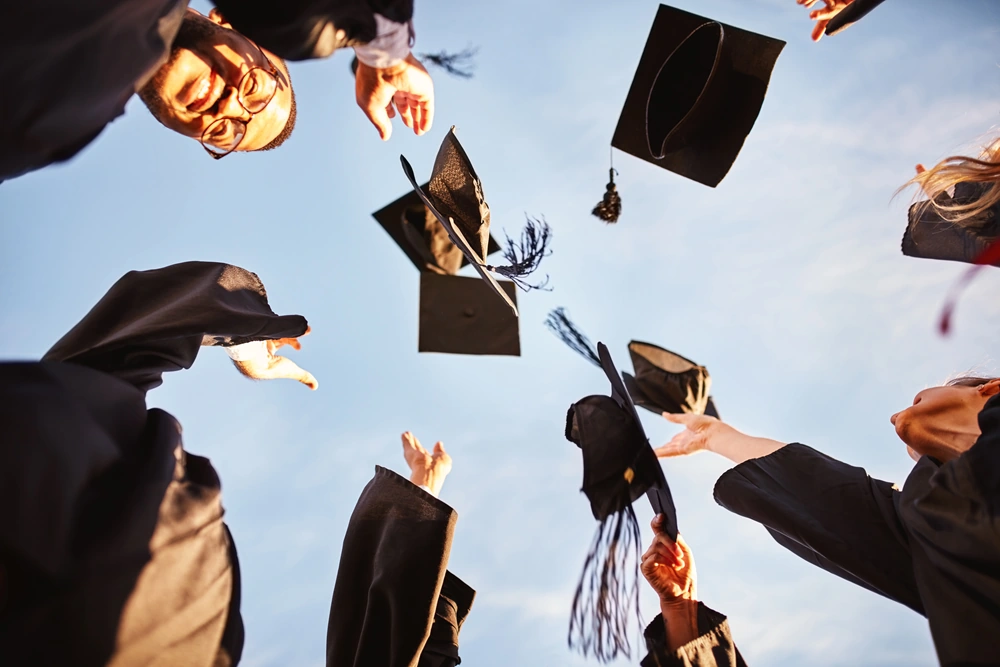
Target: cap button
469	312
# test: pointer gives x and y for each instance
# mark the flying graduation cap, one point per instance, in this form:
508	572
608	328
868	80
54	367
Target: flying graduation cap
458	315
667	382
618	466
695	96
454	195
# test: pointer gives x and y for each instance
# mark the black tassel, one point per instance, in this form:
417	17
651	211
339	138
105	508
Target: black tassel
525	257
609	208
608	590
461	64
560	324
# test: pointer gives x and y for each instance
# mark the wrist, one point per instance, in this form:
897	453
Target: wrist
428	477
674	606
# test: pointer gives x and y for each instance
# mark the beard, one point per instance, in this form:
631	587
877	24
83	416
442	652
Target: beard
196	33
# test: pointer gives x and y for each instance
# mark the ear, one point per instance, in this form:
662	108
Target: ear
991	388
215	16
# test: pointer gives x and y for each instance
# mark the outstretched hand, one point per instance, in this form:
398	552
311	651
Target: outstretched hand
697	436
406	88
426	468
823	16
283	367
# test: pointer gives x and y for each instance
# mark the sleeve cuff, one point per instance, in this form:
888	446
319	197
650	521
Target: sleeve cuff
714	629
391	45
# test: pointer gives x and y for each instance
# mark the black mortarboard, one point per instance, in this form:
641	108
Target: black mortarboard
618	466
455	196
458	315
667	382
418	233
696	94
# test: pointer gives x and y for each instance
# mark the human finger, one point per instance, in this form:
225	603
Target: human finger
390	110
373	102
819	30
403	105
921	168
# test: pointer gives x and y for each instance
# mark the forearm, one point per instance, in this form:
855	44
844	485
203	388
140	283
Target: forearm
739	447
680	620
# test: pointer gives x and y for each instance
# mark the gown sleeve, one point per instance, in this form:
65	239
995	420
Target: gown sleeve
714	647
952	512
153	322
305	29
829	513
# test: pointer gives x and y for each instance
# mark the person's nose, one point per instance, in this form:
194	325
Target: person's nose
230	106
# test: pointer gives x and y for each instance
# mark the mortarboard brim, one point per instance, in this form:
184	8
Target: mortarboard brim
460	315
696	94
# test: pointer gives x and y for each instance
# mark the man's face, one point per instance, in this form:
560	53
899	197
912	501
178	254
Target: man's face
198	84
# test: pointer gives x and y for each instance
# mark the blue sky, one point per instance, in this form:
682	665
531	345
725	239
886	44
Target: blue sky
786	281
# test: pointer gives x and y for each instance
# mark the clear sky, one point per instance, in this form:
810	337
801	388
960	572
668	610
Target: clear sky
786	281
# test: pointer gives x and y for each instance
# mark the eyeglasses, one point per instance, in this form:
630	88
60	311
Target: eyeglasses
255	91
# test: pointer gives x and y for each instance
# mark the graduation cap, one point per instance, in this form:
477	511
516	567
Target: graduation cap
696	94
458	315
454	195
664	381
618	467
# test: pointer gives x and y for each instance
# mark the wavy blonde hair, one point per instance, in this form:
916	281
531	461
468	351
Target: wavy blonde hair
957	169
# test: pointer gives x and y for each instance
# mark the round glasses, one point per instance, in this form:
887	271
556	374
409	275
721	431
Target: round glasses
255	91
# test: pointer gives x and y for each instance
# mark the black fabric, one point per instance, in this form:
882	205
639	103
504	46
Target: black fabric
930	236
67	68
420	235
455	196
696	94
152	322
115	532
460	315
934	547
665	381
850	15
714	647
304	29
393	569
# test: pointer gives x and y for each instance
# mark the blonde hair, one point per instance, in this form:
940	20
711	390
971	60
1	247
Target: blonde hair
960	169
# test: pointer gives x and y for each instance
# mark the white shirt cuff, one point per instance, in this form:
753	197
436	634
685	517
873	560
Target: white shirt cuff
255	351
391	44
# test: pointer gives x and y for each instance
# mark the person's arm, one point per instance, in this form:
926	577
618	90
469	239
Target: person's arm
686	633
708	433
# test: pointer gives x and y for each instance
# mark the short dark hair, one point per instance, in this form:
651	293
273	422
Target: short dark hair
286	131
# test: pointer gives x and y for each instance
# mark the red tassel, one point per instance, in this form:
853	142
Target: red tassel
989	256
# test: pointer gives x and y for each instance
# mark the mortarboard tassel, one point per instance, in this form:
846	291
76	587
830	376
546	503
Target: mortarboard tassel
608	590
461	64
609	208
525	257
991	255
560	324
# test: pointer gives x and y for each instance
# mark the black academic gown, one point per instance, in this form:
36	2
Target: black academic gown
112	545
714	647
929	236
68	67
395	604
934	546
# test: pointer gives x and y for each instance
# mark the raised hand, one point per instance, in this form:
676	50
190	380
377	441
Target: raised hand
823	16
426	468
407	87
668	566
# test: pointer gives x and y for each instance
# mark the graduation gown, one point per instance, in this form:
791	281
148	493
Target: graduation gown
714	647
929	236
934	546
394	603
112	545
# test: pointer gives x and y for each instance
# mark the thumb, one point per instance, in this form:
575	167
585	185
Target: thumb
380	119
438	448
374	102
